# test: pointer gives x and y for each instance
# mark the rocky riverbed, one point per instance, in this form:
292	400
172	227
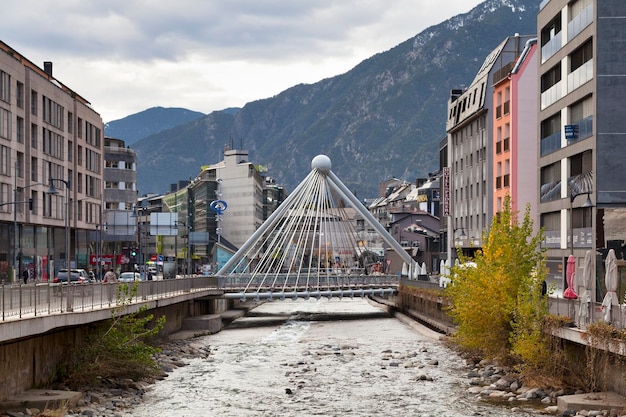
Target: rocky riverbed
485	381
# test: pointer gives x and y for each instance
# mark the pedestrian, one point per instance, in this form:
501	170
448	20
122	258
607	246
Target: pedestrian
25	276
110	278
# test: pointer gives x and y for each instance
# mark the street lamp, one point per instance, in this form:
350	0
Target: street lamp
16	189
188	254
53	191
587	204
136	214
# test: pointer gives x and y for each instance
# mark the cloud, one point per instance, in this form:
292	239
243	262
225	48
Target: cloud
127	55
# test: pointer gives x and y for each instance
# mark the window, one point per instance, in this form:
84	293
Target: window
551	125
34	197
92	135
70	122
34	175
551	134
551	77
53	144
5	160
20	129
507	138
19	94
581	55
577	7
34	141
33	103
580	164
5	87
20	164
550	31
52	113
5	124
550	182
92	161
506	107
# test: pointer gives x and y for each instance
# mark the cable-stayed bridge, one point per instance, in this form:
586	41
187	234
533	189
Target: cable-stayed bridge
311	247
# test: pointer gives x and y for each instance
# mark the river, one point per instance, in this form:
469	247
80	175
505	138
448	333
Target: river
275	363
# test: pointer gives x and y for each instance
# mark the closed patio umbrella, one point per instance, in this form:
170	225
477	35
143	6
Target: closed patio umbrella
442	271
589	270
570	274
444	275
610	280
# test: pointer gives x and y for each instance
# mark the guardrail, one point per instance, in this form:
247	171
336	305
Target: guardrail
595	312
36	299
287	281
20	300
561	307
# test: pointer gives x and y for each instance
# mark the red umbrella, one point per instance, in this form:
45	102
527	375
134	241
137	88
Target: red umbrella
570	273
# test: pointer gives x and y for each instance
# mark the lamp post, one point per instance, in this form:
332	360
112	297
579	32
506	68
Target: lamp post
98	251
15	231
137	214
53	191
462	236
587	204
188	250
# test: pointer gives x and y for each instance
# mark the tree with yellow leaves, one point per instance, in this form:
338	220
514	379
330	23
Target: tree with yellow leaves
498	304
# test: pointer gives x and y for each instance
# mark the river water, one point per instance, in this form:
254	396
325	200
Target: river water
284	362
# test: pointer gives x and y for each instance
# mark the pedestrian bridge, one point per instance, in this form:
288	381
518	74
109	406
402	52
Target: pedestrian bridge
293	286
320	242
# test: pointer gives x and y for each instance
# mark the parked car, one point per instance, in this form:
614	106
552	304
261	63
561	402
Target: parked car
78	276
130	277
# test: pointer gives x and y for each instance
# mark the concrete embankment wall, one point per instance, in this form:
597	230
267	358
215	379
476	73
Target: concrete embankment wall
422	302
34	361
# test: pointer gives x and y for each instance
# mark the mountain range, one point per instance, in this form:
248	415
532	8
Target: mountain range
384	118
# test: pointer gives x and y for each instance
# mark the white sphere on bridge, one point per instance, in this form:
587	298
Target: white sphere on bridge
321	163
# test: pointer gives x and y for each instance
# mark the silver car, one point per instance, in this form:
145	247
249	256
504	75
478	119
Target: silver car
130	277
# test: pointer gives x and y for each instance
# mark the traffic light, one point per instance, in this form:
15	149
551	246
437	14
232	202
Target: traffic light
133	252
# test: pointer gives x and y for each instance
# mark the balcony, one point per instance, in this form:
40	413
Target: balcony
580	76
551	47
550	143
585	129
552	95
580	22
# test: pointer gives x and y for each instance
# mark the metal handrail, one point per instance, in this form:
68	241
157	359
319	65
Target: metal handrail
30	300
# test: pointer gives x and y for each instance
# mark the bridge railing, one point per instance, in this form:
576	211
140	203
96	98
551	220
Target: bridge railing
284	281
17	301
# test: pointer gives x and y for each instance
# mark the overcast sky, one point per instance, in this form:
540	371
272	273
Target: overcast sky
125	56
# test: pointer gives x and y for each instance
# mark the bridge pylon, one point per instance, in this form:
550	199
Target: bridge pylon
311	246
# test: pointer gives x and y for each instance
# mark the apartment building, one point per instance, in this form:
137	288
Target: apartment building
49	136
582	129
120	175
480	134
515	133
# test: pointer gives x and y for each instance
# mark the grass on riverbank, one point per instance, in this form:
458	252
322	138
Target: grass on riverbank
119	348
